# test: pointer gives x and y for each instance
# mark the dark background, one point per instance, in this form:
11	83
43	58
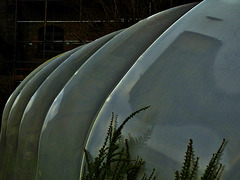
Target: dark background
33	31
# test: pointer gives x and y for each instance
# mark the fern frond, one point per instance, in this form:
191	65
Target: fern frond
113	161
213	166
151	175
127	149
115	124
110	127
177	175
84	174
144	176
88	162
187	161
130	117
218	172
194	169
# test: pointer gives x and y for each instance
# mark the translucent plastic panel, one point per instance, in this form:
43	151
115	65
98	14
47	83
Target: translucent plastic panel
190	77
39	104
70	116
8	108
17	110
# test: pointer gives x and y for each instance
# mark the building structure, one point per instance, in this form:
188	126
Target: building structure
32	31
182	62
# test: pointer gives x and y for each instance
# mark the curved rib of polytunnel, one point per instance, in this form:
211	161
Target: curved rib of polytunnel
190	79
13	96
66	125
8	106
17	110
39	104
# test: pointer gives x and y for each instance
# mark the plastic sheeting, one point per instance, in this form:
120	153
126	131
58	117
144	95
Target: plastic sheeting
188	72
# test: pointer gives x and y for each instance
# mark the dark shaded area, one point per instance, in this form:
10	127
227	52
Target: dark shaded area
213	18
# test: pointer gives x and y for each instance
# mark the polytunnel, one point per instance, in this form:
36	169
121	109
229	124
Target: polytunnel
183	62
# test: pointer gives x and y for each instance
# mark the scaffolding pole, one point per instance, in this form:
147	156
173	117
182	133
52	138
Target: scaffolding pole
45	29
15	46
80	17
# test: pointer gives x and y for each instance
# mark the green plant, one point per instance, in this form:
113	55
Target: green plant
114	161
190	165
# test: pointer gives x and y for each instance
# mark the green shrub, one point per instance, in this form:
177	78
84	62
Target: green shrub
114	161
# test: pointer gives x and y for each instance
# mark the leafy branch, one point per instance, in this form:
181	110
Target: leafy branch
114	161
190	165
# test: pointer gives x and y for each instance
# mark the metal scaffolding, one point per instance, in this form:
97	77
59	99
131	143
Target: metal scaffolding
115	15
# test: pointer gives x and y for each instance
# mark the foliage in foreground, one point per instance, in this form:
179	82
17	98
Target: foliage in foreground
115	163
190	165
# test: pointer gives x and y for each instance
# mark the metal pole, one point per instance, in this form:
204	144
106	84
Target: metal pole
150	7
45	27
115	15
80	11
15	46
